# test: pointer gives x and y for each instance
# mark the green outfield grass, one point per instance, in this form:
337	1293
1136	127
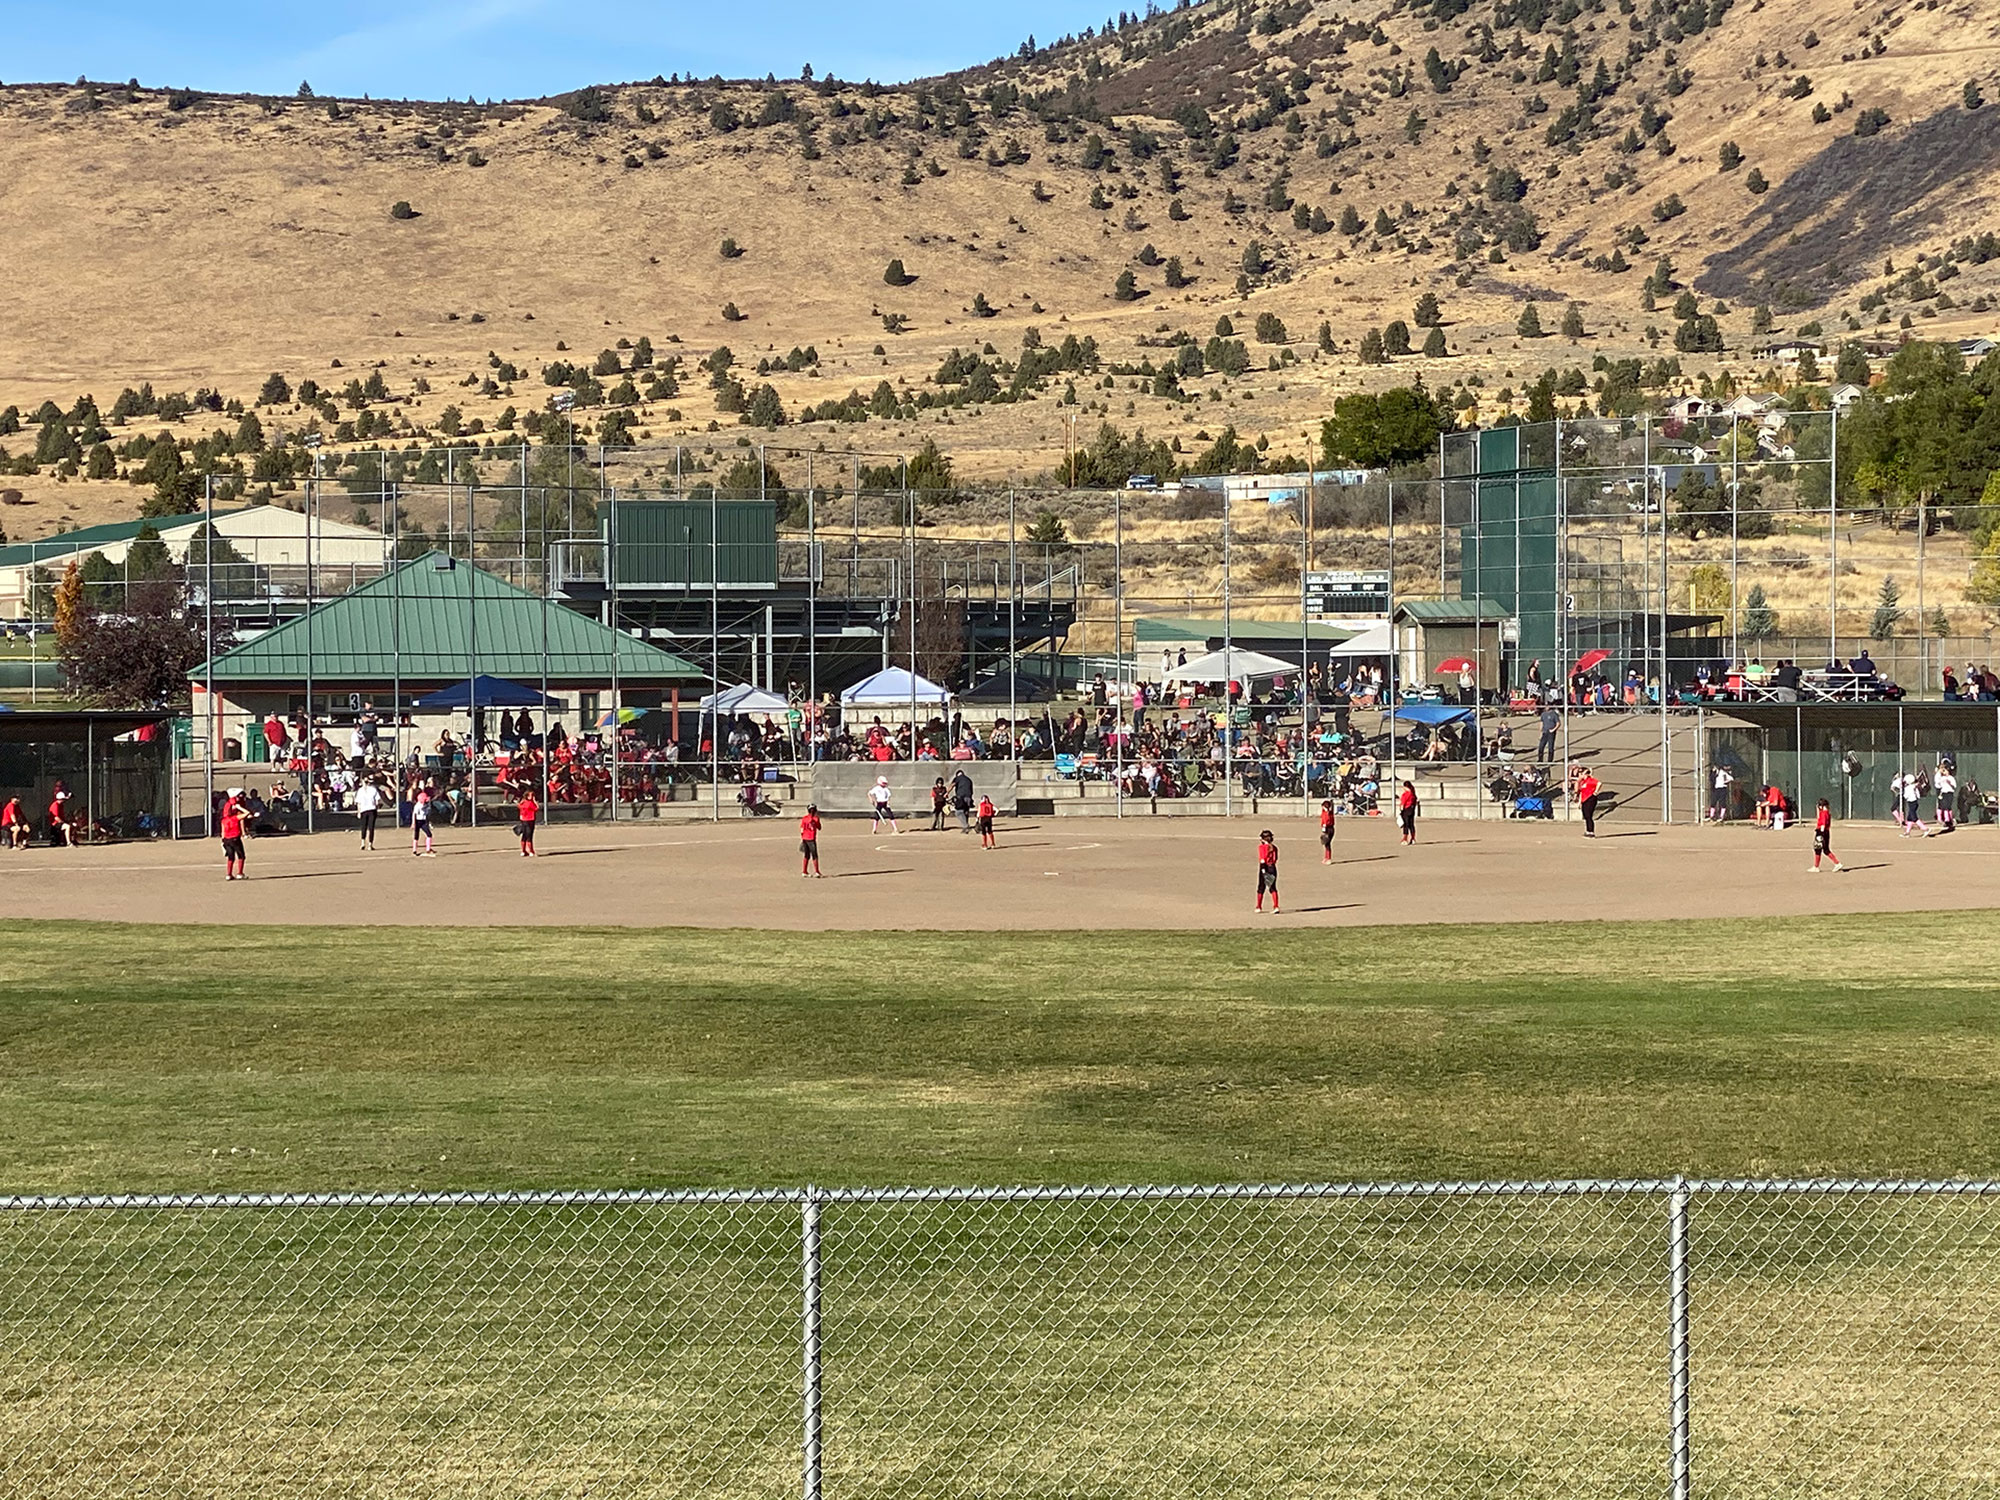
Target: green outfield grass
1502	1347
137	1057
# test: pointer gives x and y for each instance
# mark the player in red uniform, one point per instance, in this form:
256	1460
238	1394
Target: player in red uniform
1326	832
232	839
525	814
1823	838
986	823
1267	870
809	827
1406	813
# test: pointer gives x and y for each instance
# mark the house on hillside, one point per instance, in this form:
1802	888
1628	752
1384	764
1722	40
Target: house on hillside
1844	395
1754	408
1790	351
1689	408
1976	348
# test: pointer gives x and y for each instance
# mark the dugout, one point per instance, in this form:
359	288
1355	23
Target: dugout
1849	752
116	764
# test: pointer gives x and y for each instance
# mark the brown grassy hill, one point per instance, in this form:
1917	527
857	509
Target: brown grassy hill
196	242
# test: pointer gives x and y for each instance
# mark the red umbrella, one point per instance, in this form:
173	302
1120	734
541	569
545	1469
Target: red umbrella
1588	660
1457	664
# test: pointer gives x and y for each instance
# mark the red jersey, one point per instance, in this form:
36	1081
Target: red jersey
809	827
11	813
232	820
1267	854
985	807
1586	787
1824	822
1407	798
1326	817
529	809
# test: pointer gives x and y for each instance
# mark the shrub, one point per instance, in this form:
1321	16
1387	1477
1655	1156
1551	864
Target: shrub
895	275
401	209
1870	122
1755	181
588	105
1270	328
1176	277
1730	157
723	117
730	313
1669	207
730	249
1396	337
981	308
1572	322
1127	289
1372	352
1434	345
1148	256
275	391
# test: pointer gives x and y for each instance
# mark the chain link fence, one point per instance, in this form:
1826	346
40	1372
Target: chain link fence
1530	1339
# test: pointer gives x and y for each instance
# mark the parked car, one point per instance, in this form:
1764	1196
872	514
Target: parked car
1143	482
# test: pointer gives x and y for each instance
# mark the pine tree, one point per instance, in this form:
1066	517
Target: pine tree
1127	289
1325	337
1372	352
1759	621
1350	220
1572	322
1396	337
1434	345
1940	623
1888	610
1176	277
1530	324
765	409
1428	313
276	391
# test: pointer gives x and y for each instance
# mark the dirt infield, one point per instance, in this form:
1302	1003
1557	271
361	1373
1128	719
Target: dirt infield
1056	874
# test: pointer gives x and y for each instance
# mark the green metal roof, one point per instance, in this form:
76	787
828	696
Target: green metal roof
1452	611
446	621
1154	630
63	543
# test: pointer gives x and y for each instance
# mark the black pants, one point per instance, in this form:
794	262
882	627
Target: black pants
1545	748
1589	806
368	826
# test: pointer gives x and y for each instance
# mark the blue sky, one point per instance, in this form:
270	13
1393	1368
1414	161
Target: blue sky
506	48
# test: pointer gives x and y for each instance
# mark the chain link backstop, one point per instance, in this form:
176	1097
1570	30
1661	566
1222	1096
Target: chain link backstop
1565	1339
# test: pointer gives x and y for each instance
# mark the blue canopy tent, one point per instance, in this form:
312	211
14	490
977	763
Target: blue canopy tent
483	692
1430	713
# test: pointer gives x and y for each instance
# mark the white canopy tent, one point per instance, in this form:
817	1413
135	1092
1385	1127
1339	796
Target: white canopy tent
1237	664
745	698
1376	640
895	687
